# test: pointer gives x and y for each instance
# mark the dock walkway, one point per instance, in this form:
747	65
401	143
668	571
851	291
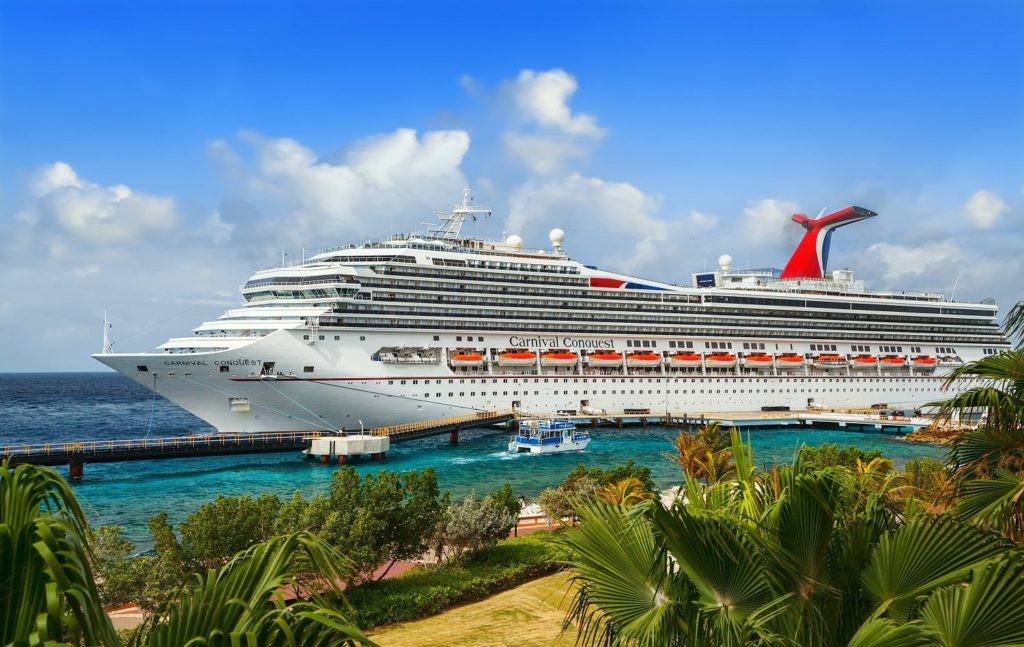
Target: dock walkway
76	453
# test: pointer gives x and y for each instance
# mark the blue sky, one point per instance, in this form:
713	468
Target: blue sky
659	135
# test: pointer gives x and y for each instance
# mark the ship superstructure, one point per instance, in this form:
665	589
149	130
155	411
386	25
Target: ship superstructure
426	326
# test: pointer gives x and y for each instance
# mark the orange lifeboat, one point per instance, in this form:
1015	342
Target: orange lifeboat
924	362
758	360
558	358
604	358
720	360
830	362
465	357
643	358
864	363
686	359
789	362
517	358
890	362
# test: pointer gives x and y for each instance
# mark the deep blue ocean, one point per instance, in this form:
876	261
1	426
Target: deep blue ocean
58	407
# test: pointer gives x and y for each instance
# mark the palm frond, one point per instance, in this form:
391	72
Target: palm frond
882	632
240	602
47	590
926	553
994	502
626	592
987	612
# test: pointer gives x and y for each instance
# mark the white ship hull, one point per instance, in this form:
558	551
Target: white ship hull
348	389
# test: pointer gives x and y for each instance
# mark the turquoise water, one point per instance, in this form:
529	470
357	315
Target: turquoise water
129	494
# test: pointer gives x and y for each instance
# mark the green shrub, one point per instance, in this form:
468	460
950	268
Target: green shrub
428	590
832	455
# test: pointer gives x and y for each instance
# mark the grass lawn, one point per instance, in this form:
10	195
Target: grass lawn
528	615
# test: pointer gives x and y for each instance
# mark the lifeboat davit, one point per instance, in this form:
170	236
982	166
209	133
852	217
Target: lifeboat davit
517	358
758	360
643	359
720	360
685	360
890	362
789	362
830	362
467	358
924	362
558	358
607	358
864	363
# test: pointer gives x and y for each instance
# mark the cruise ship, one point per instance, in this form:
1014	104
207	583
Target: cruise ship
432	325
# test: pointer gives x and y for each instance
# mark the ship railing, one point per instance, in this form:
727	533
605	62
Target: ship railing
143	444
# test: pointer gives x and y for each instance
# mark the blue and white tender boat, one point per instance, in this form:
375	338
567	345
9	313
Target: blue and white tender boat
548	436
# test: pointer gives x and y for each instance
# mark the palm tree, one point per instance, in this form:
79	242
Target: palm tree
626	492
48	593
793	557
705	455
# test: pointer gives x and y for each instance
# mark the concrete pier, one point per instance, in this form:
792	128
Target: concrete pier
341	448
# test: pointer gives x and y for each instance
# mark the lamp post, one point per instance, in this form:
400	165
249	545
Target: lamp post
361	432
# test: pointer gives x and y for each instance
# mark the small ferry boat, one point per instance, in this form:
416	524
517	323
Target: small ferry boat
548	436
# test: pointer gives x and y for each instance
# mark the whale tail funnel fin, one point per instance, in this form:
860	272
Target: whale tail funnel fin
810	258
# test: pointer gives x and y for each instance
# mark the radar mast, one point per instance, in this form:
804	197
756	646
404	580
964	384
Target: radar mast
451	223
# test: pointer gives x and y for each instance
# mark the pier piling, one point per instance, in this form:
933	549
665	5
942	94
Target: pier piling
76	469
453	437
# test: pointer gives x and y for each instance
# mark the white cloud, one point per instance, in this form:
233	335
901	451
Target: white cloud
984	208
92	213
398	175
542	154
701	222
543	98
902	261
616	213
766	221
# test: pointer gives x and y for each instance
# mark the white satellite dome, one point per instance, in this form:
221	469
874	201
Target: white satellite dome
557	237
725	261
514	241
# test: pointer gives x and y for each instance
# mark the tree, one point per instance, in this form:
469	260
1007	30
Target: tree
504	499
832	455
215	532
797	556
475	525
374	520
121	574
704	455
627	492
48	593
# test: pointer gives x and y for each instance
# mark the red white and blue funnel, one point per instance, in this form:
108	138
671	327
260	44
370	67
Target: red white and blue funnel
810	259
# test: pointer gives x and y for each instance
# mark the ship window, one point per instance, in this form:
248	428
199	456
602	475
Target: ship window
337	338
307	369
362	337
305	337
224	369
459	338
437	338
479	338
145	369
